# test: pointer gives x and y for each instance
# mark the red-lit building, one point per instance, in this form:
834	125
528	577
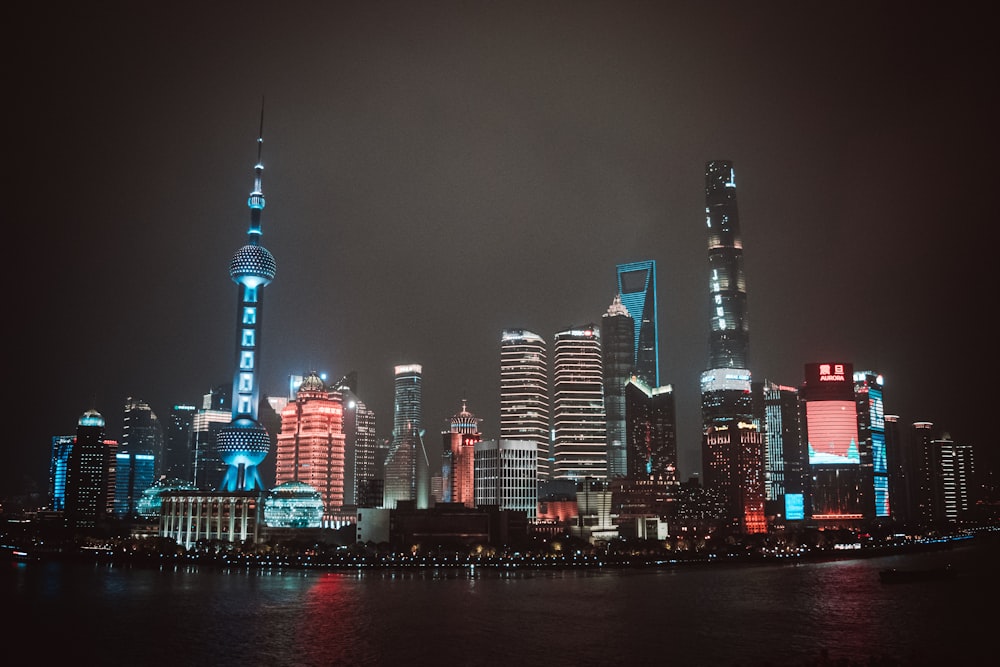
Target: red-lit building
830	414
311	444
457	466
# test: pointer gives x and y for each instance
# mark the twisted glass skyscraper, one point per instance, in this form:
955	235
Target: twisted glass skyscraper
732	446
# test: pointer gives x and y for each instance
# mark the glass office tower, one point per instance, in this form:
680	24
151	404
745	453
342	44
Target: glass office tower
637	287
732	445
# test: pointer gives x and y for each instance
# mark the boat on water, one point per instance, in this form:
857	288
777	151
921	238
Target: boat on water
897	576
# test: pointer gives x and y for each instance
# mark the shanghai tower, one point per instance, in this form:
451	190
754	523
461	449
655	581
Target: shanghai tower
732	447
244	442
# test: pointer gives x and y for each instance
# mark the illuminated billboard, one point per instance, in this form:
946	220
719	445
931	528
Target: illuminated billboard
832	432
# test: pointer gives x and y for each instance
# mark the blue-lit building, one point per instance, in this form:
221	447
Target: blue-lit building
868	388
137	461
637	287
244	442
62	445
732	444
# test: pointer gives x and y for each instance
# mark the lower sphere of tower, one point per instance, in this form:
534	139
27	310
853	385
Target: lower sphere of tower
246	443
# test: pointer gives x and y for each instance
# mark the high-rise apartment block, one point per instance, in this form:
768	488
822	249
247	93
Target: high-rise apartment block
578	418
524	394
947	478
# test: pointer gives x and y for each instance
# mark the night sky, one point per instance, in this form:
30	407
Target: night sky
436	172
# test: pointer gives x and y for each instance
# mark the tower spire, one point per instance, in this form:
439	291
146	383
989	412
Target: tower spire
256	200
244	442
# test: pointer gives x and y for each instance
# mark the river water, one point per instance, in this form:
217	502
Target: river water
809	613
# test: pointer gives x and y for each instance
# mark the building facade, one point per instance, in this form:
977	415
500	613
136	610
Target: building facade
732	445
839	493
458	458
637	288
139	457
311	444
524	394
786	469
947	478
868	397
360	443
505	475
407	470
578	418
87	470
618	349
177	447
651	430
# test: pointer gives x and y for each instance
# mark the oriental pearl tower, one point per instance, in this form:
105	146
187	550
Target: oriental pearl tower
244	442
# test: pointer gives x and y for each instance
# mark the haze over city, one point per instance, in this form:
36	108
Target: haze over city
437	172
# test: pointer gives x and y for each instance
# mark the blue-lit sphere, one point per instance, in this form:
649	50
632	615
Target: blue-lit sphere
253	266
243	441
293	505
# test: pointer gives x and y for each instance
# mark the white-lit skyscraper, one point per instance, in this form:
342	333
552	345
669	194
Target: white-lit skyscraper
524	394
407	466
578	418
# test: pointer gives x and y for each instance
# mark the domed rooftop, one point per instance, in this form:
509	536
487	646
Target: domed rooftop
91	418
293	505
148	505
312	382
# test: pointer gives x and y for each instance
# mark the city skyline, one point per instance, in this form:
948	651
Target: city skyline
437	175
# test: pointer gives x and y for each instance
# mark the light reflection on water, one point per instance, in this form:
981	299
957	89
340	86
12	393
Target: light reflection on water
782	614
